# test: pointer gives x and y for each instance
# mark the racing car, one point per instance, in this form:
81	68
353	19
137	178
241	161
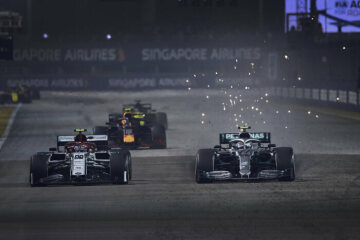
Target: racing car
146	113
129	130
245	156
80	159
21	94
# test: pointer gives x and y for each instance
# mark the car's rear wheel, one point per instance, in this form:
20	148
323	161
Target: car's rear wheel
120	167
158	136
38	169
35	94
100	130
204	163
285	160
161	118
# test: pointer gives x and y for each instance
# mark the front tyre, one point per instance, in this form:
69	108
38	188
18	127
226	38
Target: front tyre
120	167
38	169
204	163
285	160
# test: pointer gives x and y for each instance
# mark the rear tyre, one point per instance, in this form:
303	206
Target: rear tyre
35	94
158	137
161	118
25	97
100	130
38	169
120	170
204	163
284	158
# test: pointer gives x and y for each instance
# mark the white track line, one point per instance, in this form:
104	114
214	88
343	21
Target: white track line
9	125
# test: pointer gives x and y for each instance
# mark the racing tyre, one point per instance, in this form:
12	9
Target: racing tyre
204	163
25	97
161	118
158	137
284	157
120	167
38	169
35	94
100	130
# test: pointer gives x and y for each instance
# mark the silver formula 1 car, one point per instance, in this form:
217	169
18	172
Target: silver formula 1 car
80	159
245	156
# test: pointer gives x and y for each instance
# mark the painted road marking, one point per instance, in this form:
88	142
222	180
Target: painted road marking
9	125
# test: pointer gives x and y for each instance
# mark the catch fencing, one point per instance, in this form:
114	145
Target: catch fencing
343	98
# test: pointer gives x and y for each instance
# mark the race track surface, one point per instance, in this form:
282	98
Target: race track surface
163	201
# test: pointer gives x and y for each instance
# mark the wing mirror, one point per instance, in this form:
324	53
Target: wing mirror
271	145
217	146
52	149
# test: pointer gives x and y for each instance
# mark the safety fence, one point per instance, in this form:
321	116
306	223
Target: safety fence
328	96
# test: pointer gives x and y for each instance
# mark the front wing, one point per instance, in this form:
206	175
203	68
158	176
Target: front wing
262	175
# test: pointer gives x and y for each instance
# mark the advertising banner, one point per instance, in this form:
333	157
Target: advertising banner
347	10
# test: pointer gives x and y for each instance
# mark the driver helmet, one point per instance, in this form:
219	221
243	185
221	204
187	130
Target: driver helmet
80	138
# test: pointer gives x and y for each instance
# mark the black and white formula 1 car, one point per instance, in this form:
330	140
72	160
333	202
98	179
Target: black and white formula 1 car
245	156
80	159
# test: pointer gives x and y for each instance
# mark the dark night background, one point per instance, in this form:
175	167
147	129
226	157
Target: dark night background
324	60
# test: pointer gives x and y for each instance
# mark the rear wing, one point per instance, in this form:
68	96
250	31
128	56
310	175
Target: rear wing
263	137
141	107
99	140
